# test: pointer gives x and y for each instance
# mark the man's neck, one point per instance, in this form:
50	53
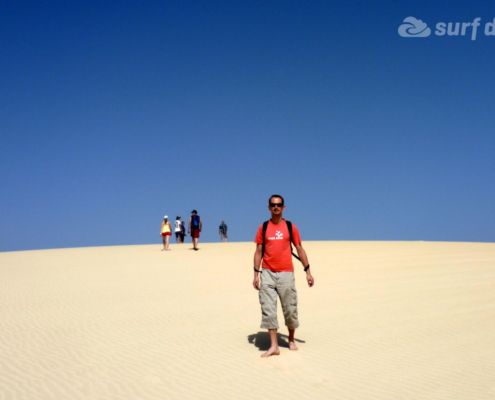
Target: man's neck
276	219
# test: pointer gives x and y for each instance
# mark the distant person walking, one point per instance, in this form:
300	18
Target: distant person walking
194	228
166	232
273	247
178	230
222	231
182	232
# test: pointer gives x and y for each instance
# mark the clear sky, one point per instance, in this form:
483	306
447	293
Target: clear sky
115	113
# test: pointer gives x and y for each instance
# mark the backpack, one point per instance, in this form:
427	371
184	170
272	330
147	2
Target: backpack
195	221
289	227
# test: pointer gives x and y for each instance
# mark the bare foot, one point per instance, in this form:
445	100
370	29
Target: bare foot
271	352
292	346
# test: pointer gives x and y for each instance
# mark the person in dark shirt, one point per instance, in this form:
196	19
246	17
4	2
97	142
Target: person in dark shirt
183	232
222	231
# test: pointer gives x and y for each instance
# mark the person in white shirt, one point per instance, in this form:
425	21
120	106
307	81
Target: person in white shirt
178	230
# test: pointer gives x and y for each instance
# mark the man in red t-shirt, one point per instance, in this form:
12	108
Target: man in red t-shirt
278	274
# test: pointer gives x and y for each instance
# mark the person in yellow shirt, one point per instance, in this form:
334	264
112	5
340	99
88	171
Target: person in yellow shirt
166	232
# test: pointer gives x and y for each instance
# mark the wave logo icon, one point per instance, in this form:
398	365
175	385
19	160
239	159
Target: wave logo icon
413	27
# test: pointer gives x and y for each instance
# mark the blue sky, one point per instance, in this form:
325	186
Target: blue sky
115	113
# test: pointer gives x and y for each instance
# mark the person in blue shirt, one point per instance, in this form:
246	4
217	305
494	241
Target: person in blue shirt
194	228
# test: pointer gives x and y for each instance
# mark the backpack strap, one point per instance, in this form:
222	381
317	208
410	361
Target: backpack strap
263	233
289	227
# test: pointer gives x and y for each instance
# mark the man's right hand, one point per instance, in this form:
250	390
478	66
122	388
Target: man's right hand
256	282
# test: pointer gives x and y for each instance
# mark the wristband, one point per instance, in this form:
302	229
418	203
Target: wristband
257	270
306	268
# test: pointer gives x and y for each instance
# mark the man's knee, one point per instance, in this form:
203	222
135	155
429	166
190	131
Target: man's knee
289	306
268	302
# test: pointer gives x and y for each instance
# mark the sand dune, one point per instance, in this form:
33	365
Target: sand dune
385	320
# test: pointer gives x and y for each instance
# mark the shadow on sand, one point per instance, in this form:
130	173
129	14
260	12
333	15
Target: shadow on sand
262	340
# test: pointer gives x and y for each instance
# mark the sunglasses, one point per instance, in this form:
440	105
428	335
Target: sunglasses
277	205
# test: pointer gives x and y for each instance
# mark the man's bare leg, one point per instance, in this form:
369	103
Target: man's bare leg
292	343
273	350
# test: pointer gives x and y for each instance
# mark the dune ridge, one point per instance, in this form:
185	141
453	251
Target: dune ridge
385	320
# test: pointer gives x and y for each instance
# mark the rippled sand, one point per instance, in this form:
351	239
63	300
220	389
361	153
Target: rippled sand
385	320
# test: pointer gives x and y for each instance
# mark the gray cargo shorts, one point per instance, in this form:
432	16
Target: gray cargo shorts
281	284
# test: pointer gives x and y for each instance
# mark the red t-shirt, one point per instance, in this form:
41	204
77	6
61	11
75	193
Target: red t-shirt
278	257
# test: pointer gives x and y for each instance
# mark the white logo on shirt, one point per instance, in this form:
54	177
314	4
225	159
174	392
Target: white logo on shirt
278	236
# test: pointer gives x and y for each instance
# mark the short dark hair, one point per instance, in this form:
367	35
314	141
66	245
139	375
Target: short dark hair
276	195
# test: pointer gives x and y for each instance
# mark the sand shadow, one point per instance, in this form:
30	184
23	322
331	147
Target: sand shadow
262	340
